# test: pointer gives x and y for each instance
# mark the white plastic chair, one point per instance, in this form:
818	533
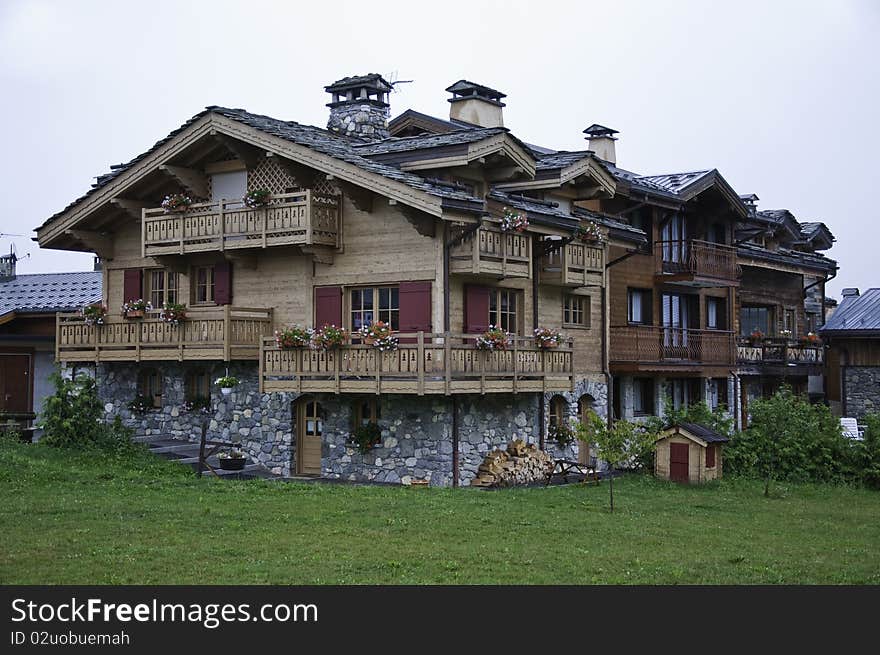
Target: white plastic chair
851	428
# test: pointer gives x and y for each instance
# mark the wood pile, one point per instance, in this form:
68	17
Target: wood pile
520	463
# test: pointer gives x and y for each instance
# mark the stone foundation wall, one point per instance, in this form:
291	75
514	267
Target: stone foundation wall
862	384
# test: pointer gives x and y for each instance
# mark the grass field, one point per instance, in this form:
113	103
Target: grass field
77	519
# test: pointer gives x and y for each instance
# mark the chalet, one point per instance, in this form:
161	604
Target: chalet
28	305
853	368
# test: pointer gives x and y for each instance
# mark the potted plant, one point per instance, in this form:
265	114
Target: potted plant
173	312
809	339
546	338
176	203
756	336
94	314
493	339
232	459
136	308
257	198
141	404
588	232
367	436
226	384
327	337
512	221
293	337
561	433
197	404
379	335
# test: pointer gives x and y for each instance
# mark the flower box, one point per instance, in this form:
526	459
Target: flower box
513	221
176	203
232	463
134	313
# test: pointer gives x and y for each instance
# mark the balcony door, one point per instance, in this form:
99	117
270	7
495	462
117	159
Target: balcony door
231	186
673	234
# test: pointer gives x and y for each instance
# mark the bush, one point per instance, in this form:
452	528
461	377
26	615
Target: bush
366	436
73	418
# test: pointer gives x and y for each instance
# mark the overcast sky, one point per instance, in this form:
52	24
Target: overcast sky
781	97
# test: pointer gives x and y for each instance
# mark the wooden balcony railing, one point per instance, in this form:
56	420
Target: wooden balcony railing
222	333
574	264
698	259
655	344
300	218
780	352
489	251
424	363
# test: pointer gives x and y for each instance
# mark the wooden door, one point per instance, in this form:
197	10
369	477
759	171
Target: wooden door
678	462
585	407
15	383
310	427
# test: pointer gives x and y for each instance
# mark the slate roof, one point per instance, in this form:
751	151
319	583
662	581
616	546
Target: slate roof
856	316
600	130
787	256
706	434
49	292
673	182
441	123
422	141
464	85
561	159
371	79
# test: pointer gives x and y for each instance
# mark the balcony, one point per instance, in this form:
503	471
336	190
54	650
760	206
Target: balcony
696	264
780	353
489	251
221	333
423	364
300	218
574	265
670	347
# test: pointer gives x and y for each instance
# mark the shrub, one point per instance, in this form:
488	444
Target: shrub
561	433
366	436
73	418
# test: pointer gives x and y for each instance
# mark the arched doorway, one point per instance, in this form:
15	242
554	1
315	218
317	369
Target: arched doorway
309	431
586	404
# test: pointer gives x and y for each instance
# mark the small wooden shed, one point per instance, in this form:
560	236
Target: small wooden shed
689	452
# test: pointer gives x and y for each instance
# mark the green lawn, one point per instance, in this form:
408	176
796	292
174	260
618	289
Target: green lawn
75	519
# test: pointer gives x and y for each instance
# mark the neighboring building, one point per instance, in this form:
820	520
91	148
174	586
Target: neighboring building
28	305
853	368
689	453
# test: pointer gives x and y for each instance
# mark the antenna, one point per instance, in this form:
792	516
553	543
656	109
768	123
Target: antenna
393	81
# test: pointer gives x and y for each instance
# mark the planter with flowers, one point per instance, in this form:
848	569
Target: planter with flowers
756	337
589	232
197	404
546	338
94	314
512	221
293	337
173	313
257	198
136	308
561	433
379	335
232	459
227	383
493	339
176	203
327	338
366	437
810	339
141	404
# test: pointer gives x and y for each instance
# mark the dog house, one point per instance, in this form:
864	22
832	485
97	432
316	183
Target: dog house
689	452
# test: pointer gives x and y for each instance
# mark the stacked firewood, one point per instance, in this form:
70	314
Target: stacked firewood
520	463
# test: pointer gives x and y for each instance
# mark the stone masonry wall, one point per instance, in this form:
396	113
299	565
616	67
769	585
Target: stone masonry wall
862	385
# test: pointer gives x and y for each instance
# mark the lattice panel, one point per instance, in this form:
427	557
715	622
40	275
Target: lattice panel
269	174
323	186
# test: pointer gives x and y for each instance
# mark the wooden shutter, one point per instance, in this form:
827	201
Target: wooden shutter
415	308
223	283
133	284
476	309
328	306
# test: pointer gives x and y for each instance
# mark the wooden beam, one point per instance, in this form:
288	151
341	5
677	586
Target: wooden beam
193	180
97	242
247	153
130	206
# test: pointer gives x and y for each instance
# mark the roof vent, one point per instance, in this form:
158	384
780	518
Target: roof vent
601	140
476	104
850	292
360	107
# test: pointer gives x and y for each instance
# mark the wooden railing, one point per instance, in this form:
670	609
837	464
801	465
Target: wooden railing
424	363
300	218
490	251
222	333
655	344
574	264
697	258
779	352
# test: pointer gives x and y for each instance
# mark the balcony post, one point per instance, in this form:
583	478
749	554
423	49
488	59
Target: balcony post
447	360
515	362
222	219
143	232
420	363
309	216
227	331
265	214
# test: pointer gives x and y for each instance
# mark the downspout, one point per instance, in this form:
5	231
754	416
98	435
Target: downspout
537	254
609	382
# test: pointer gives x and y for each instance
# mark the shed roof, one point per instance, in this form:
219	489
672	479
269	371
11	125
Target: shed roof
49	292
701	432
856	316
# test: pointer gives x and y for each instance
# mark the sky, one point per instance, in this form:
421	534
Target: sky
780	97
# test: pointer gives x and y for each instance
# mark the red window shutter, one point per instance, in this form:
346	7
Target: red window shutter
476	309
132	284
415	307
223	283
328	306
710	457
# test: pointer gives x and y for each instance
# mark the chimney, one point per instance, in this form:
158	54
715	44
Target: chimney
601	140
360	107
850	292
476	104
7	267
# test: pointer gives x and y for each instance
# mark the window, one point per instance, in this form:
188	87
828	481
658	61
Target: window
198	384
576	310
643	219
150	384
643	396
375	304
752	318
558	411
683	392
639	306
204	285
716	233
789	321
715	314
503	305
366	411
162	287
710	457
716	390
231	185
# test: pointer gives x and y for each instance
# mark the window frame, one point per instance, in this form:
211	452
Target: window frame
645	300
211	285
198	379
720	318
710	450
495	295
746	327
167	289
151	384
586	308
374	411
643	390
392	314
558	411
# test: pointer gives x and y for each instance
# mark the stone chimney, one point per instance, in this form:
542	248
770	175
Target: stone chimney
601	140
360	107
476	104
7	267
